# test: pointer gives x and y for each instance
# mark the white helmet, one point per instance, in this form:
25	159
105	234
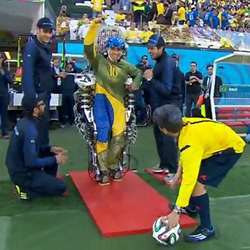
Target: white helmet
84	80
162	233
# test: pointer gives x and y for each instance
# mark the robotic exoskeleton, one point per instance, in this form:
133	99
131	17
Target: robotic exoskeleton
84	121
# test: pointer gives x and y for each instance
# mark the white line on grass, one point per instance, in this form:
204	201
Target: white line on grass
5	223
231	197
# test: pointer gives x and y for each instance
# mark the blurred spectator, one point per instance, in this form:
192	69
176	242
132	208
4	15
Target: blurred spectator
168	13
145	34
193	87
160	8
180	79
192	16
181	13
97	7
125	6
84	20
83	26
62	24
132	34
153	11
207	16
5	80
147	11
206	86
140	102
215	21
67	89
56	74
207	82
144	64
138	7
224	19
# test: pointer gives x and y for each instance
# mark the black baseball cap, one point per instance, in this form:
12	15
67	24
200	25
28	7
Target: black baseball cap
30	102
45	23
156	40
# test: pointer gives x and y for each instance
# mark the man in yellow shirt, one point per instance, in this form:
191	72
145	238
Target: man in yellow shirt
97	6
145	34
208	150
160	8
181	13
132	34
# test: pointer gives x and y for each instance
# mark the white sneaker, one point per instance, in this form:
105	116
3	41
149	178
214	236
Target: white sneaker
157	169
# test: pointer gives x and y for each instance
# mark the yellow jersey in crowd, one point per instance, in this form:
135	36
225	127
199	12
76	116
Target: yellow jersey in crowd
160	9
145	35
181	14
97	5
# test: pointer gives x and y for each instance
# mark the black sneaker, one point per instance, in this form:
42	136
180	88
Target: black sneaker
200	234
116	175
104	179
21	194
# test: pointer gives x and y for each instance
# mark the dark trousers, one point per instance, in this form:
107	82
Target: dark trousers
138	17
67	108
4	101
140	107
191	99
167	150
44	183
43	125
40	182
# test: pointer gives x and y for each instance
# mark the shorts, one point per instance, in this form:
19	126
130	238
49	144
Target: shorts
214	169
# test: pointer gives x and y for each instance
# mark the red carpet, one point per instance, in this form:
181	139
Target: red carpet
123	208
157	176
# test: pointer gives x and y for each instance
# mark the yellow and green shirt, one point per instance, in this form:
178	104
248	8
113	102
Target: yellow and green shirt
109	75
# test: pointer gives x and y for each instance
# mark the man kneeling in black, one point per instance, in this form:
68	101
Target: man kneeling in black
33	168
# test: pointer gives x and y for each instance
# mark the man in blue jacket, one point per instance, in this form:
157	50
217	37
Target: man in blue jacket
164	89
37	70
32	167
5	80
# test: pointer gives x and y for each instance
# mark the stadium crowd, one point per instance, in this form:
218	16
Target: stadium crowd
140	18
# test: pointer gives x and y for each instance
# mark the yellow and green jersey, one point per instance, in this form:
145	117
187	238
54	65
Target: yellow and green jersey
109	75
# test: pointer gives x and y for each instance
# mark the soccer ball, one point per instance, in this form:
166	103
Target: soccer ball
163	235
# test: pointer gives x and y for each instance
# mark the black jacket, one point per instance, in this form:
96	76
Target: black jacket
5	80
24	151
218	84
165	88
37	70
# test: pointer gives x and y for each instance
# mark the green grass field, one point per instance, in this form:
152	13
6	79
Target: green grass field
64	223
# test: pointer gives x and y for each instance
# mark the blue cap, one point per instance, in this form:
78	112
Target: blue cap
45	23
156	40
